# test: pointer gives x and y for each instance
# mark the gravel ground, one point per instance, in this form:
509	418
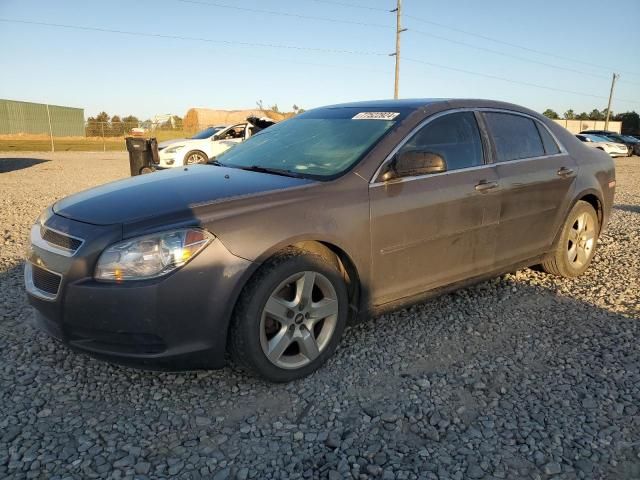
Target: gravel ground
524	376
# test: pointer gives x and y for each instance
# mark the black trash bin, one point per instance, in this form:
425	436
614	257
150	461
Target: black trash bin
143	155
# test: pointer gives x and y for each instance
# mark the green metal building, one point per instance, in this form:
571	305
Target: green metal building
27	117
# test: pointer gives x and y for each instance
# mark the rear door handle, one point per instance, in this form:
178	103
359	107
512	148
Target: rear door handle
565	172
486	186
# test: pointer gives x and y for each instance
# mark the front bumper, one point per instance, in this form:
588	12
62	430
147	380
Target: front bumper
170	160
177	321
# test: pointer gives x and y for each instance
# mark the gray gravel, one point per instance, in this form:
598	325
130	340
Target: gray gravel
525	376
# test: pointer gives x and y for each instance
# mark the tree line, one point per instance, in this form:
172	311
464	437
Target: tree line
105	125
630	120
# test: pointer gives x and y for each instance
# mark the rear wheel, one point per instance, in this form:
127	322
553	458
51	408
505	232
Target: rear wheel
195	157
290	316
577	243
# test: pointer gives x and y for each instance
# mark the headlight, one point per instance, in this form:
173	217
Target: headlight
151	256
173	149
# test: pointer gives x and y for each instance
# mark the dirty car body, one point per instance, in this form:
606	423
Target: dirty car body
397	238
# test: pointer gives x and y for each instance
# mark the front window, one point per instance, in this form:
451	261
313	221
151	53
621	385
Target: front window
206	133
455	137
318	144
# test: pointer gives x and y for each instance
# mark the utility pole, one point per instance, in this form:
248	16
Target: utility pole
613	83
399	30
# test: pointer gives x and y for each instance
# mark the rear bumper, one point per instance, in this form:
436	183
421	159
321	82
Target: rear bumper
178	321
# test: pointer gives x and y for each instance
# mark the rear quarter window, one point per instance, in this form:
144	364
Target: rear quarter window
515	137
550	145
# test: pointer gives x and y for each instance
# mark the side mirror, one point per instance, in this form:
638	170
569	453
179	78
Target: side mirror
415	162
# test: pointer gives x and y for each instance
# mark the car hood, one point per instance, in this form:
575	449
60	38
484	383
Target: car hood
170	193
166	143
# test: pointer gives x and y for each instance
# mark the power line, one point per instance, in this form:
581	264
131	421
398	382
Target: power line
420	32
504	79
351	5
504	54
503	42
293	47
285	14
195	39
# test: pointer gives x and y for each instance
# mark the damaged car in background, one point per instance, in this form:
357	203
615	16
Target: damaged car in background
208	143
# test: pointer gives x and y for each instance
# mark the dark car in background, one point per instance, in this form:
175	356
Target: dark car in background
632	144
332	216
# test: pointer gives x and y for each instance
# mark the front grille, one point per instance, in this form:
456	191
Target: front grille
45	280
59	239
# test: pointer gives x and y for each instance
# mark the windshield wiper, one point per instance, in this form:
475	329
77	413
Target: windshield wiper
275	171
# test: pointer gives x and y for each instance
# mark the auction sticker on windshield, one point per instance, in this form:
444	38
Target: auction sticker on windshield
376	116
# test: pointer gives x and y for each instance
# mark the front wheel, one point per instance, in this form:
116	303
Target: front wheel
290	316
195	157
577	243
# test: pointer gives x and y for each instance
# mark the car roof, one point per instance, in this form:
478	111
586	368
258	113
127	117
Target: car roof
411	104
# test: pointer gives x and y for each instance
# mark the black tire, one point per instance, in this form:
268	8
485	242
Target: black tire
201	157
558	262
244	343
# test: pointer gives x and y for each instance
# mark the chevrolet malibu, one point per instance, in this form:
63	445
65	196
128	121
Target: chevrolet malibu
338	214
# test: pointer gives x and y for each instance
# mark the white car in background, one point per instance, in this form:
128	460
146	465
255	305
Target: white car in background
602	143
209	143
203	146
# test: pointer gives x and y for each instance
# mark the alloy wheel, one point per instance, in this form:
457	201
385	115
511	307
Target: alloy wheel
581	240
195	158
298	320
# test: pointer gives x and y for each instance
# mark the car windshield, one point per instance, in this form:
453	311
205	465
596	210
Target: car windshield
627	138
320	144
596	138
206	133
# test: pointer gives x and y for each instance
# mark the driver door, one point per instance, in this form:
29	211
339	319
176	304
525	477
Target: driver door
434	229
227	138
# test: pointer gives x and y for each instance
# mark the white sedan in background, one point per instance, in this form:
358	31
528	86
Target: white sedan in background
602	143
203	146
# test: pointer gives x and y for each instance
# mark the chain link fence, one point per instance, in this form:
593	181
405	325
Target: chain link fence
98	136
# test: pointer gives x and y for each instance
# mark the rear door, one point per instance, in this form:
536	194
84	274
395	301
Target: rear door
536	179
434	229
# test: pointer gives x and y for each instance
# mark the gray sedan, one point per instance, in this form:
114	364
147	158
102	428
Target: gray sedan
332	216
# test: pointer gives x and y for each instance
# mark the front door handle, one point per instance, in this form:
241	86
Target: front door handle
486	186
565	172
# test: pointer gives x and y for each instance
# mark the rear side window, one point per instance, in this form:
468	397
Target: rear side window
550	145
455	137
515	137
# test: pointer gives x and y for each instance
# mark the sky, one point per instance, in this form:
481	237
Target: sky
224	54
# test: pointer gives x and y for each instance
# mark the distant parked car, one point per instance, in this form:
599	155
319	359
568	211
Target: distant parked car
207	144
635	149
603	143
614	137
137	132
